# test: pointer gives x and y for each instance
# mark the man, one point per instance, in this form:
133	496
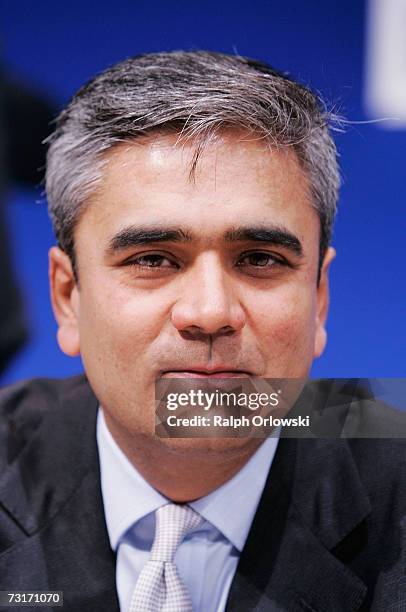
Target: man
192	196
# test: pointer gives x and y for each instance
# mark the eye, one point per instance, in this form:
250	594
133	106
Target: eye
262	264
152	260
259	259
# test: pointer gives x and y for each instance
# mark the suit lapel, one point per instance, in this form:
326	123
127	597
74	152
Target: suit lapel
312	501
53	497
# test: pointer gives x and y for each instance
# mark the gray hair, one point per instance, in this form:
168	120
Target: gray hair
197	94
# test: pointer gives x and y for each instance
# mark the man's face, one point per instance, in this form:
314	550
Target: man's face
178	276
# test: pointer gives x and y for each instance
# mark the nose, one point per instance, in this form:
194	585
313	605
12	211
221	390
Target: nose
207	304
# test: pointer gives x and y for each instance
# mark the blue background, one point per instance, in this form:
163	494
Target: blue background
57	46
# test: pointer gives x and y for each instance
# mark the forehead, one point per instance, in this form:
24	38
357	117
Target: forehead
235	178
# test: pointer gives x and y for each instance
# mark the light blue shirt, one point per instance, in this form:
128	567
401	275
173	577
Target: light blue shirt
207	558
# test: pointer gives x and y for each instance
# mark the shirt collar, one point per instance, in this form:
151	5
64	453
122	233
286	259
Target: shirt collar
128	497
231	507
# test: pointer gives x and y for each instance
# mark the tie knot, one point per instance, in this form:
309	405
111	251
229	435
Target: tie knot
173	523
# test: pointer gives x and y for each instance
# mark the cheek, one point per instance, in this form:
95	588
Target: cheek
117	326
116	332
285	328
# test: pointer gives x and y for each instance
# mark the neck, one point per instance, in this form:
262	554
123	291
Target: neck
184	469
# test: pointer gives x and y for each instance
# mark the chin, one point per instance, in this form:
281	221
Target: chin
208	447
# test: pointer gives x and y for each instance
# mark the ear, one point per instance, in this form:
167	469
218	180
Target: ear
65	301
323	298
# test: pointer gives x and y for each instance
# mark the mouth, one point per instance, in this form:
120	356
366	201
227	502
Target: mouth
206	373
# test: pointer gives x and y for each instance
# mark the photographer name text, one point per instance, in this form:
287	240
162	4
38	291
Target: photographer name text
237	422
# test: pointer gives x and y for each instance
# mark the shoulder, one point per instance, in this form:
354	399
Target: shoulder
381	464
375	434
27	401
25	405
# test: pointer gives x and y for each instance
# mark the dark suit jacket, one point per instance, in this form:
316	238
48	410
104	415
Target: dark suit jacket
328	535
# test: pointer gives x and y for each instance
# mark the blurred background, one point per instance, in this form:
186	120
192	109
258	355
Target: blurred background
353	52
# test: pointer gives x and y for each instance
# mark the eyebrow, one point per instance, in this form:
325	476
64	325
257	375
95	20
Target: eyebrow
136	236
275	235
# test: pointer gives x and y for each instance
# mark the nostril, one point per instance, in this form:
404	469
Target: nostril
194	333
226	331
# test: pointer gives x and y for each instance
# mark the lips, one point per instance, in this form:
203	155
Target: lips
206	373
